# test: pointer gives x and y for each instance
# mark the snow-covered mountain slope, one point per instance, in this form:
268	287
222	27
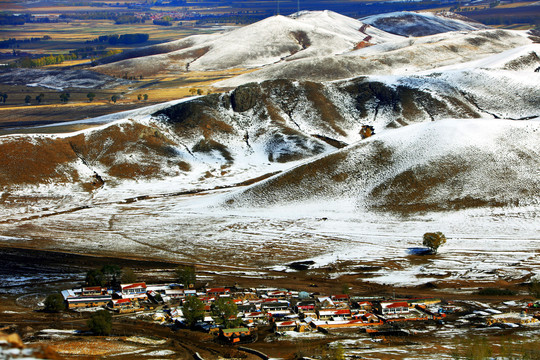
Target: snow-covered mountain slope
395	57
523	58
272	40
442	165
224	139
408	23
188	42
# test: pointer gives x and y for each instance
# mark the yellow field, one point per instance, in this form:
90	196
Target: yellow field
83	30
176	86
49	106
514	5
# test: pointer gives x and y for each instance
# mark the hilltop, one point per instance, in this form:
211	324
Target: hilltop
408	23
394	57
272	40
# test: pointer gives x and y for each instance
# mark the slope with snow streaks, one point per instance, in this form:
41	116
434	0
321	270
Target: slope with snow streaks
442	165
522	58
224	139
395	57
274	39
408	23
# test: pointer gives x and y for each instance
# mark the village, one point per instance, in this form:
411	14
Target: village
285	312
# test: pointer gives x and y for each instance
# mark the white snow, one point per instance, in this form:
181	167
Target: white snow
268	41
421	23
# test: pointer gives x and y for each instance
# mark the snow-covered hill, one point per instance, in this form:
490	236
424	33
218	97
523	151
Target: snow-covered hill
256	129
272	40
393	57
443	165
408	23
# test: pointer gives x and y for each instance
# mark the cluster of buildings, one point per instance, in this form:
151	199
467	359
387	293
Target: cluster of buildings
282	310
123	299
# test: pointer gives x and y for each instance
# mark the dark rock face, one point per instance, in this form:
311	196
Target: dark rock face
245	97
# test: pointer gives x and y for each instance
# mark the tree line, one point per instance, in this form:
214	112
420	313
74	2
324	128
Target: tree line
28	62
66	96
118	18
114	39
5	44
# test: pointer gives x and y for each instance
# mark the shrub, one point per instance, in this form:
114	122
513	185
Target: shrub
54	303
100	323
434	240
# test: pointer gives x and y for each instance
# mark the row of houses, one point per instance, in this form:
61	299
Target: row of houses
96	296
283	309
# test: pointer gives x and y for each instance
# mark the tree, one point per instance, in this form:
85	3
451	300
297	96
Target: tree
434	240
100	323
186	275
139	97
225	312
192	91
114	98
3	96
94	278
54	303
27	99
64	97
199	92
193	310
128	276
111	273
145	96
40	97
367	131
90	96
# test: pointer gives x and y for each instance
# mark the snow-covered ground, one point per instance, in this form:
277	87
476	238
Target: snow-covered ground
483	245
408	23
329	206
271	40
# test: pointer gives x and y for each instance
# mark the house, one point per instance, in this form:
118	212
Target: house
333	313
364	305
305	306
309	314
234	335
278	314
216	292
174	293
280	294
275	306
246	308
87	301
133	291
123	305
423	301
336	324
389	308
340	298
252	317
370	318
92	291
159	288
290	325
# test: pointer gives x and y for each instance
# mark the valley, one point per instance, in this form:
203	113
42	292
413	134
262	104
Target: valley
309	152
